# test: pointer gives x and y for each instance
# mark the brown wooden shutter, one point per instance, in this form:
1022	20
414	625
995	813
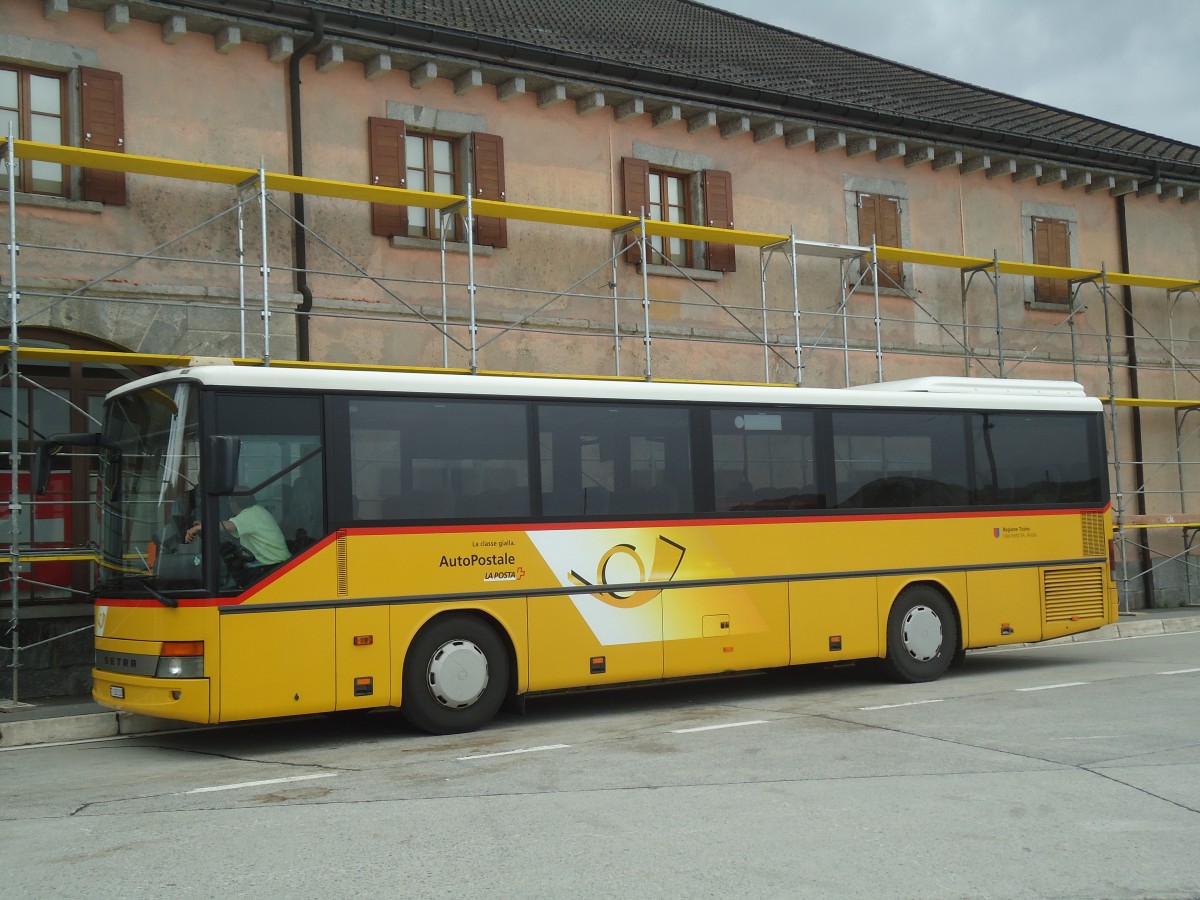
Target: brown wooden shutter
879	221
1051	247
635	182
102	110
386	145
487	152
718	211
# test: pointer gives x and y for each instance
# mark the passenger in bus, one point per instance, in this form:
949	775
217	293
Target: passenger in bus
255	529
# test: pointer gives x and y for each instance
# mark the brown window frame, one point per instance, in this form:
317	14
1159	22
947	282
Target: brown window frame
428	175
677	250
24	118
1051	247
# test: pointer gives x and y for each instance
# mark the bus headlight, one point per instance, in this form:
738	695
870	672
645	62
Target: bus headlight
181	659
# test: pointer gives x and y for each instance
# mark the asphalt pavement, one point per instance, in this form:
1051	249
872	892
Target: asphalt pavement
64	719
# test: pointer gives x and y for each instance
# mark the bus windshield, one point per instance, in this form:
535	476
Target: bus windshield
149	488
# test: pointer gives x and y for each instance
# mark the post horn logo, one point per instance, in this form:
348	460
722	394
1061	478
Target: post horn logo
667	557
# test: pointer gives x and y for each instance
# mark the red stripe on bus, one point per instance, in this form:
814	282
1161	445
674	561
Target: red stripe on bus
200	602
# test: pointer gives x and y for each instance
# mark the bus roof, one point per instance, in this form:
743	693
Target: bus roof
929	393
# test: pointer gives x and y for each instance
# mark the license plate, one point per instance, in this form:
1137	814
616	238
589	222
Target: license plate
116	691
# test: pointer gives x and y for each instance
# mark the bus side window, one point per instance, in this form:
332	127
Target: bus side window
764	460
608	459
1023	458
280	460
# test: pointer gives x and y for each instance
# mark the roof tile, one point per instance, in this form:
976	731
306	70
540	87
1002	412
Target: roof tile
682	38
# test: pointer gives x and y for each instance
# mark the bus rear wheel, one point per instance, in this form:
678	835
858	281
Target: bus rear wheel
455	675
922	635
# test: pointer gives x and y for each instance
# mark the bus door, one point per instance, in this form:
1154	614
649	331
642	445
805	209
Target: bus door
277	657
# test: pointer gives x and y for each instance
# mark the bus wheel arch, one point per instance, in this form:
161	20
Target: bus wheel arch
924	634
457	673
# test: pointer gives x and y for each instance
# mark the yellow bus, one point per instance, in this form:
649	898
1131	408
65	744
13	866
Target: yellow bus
444	542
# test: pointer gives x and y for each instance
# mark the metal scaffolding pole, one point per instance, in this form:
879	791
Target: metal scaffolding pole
878	317
645	250
266	269
241	253
615	308
796	308
471	286
1122	534
14	459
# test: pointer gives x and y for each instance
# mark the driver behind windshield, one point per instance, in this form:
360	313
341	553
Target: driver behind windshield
254	527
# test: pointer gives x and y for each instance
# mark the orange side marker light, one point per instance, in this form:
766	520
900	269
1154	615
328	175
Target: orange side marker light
182	648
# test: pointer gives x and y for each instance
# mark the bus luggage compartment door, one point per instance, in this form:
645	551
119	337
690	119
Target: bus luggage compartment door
363	657
834	620
582	640
724	629
276	663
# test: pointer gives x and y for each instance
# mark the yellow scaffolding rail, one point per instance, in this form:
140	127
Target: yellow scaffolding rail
612	222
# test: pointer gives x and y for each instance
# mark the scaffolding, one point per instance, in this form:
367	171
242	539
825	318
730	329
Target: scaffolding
789	335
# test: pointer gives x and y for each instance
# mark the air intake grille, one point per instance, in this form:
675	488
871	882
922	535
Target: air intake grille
1073	594
343	585
1095	541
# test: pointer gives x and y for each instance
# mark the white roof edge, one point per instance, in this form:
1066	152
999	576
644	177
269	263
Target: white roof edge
936	392
1017	387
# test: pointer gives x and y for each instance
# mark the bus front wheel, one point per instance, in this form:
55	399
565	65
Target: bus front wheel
922	635
455	675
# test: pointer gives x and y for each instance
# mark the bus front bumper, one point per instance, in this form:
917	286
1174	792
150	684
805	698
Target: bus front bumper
186	699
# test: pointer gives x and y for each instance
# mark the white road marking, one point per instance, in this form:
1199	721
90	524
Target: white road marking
898	705
247	784
512	752
1090	737
1051	687
1180	672
717	727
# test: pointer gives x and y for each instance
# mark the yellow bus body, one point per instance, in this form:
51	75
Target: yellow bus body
606	603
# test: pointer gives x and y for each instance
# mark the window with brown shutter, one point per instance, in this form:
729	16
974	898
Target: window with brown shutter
102	113
670	196
386	147
879	224
425	161
487	152
1051	247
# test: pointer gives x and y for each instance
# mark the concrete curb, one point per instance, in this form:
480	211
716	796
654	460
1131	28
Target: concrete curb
1133	628
88	726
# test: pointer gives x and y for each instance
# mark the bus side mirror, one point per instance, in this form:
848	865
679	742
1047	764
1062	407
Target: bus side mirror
52	446
223	453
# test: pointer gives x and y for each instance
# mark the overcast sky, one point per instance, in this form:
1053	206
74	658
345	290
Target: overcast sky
1132	62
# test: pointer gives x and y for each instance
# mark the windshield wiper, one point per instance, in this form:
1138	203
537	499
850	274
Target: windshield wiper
156	593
